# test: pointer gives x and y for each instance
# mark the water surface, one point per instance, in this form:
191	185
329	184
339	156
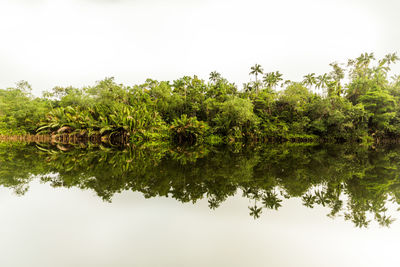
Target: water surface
286	205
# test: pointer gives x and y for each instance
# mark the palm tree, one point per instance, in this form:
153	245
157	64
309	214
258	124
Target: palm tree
215	76
388	60
309	80
391	58
365	59
396	80
257	85
337	75
272	79
322	81
287	82
278	77
247	87
255	70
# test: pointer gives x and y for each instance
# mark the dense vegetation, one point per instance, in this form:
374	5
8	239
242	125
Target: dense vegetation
356	102
352	181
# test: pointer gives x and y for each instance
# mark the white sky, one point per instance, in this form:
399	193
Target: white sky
78	42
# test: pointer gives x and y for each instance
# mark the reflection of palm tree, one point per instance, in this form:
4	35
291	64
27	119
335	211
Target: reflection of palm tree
321	198
384	220
250	192
247	192
255	212
271	201
336	206
333	194
359	218
309	200
213	203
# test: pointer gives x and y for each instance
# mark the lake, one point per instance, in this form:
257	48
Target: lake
270	205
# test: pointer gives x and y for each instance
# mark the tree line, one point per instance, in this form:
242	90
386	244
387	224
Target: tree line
357	101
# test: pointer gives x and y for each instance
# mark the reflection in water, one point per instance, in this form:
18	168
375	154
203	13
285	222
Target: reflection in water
354	182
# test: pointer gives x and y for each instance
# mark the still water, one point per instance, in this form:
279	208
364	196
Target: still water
287	205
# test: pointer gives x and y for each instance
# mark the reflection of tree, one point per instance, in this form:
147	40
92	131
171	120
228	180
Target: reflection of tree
271	201
255	211
351	181
17	166
309	200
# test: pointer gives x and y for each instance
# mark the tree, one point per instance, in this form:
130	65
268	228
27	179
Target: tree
380	106
215	77
365	59
255	70
391	58
309	80
20	112
247	87
337	75
235	112
272	79
322	81
396	81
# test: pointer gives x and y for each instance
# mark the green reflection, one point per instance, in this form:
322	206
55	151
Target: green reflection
352	181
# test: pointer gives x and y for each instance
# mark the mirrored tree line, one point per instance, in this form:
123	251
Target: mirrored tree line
352	181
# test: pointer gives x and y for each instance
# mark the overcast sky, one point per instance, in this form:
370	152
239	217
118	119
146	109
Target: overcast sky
78	42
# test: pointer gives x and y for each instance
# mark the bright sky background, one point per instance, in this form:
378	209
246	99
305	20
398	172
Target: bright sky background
78	42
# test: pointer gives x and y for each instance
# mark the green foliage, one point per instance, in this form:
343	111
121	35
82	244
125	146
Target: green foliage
235	117
380	106
20	112
348	180
188	130
318	107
